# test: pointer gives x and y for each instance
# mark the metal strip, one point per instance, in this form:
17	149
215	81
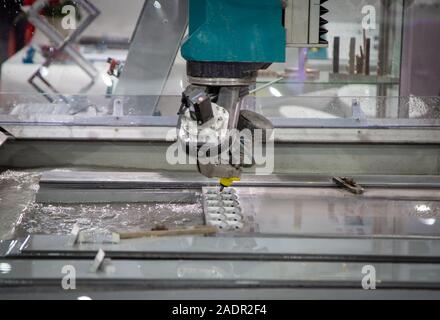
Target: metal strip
171	121
252	248
93	133
170	180
199	274
68	196
346	160
78	121
348	123
168	134
358	136
243	284
108	292
224	256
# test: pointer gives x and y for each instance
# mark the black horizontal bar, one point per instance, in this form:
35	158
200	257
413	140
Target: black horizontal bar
209	256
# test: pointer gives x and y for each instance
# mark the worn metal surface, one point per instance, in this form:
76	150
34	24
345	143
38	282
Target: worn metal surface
58	195
325	159
118	210
120	131
406	259
279	205
276	206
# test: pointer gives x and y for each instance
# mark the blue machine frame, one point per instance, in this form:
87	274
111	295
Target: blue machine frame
235	31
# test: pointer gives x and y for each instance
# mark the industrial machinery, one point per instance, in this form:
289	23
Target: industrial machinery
353	190
224	53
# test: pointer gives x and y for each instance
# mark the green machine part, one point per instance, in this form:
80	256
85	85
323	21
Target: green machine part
235	31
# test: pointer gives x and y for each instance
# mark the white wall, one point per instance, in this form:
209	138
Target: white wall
117	19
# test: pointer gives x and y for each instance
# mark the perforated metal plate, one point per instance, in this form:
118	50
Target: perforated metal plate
222	209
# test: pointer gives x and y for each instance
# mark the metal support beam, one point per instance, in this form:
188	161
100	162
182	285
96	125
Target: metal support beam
154	47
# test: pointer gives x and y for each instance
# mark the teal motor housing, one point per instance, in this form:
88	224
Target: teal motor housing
235	31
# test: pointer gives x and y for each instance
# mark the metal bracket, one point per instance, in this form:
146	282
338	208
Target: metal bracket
357	112
62	44
74	235
98	237
348	184
5	135
102	264
118	108
94	237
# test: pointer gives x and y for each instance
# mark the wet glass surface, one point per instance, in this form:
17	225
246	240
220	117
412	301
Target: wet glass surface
90	109
286	211
21	215
331	211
